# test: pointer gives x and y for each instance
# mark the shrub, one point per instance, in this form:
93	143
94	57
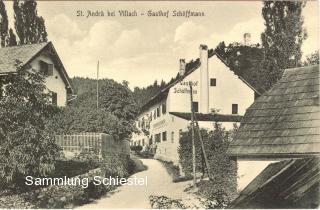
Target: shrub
223	169
26	141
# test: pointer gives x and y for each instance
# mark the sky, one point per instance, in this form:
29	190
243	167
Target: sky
142	49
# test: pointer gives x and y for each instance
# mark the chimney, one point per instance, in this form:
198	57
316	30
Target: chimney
182	68
204	80
247	38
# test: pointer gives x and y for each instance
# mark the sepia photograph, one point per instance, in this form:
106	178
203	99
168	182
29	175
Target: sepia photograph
149	104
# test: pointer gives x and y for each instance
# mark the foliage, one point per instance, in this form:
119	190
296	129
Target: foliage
312	59
223	169
30	27
163	202
115	165
70	168
136	149
282	38
3	24
12	40
114	98
26	141
142	95
72	120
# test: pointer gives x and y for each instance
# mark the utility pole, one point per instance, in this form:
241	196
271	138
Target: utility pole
203	151
192	137
98	85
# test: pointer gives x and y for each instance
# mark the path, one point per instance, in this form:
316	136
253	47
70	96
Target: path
159	182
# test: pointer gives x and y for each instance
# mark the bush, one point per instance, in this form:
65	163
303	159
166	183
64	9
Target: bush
27	142
223	169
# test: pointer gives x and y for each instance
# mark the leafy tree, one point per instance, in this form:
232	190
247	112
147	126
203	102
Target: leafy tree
312	59
3	24
223	181
282	38
72	120
30	28
119	100
26	141
12	40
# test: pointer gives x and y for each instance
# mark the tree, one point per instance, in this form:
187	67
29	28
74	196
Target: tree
282	38
11	39
312	59
30	28
26	141
3	24
120	101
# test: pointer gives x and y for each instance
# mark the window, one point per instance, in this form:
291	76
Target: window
155	114
151	116
213	82
172	137
164	108
164	136
195	106
172	119
46	68
54	98
234	108
142	142
150	140
158	112
157	137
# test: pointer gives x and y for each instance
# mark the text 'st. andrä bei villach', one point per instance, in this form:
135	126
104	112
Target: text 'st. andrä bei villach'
84	182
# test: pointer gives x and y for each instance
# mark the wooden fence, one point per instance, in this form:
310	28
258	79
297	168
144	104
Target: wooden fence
101	143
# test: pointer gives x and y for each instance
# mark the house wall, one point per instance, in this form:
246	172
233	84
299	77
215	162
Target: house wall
53	83
248	170
229	90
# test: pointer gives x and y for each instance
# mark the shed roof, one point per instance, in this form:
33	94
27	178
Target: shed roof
284	121
25	54
285	184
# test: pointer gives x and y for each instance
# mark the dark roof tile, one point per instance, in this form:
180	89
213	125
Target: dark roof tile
283	121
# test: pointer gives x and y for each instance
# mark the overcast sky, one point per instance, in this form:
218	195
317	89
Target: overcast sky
142	49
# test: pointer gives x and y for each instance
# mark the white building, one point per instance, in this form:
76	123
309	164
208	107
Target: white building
40	57
215	87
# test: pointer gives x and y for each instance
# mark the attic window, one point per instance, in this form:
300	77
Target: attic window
213	82
46	68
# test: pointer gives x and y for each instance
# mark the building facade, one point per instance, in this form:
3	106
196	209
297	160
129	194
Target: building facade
215	89
42	58
281	125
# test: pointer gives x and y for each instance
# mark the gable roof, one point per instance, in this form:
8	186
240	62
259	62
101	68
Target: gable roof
285	184
285	121
190	67
25	54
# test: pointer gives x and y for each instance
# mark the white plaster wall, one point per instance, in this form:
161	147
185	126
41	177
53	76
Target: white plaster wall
248	170
229	90
53	83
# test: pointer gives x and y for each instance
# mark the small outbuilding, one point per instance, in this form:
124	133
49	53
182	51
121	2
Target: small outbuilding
278	144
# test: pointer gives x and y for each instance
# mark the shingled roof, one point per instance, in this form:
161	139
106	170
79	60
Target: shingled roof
25	54
286	184
284	121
